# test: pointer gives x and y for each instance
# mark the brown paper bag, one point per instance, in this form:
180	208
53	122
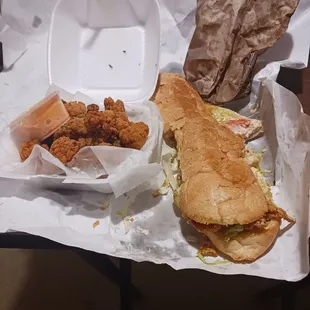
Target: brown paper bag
229	36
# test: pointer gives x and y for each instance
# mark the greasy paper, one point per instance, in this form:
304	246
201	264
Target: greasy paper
143	228
228	38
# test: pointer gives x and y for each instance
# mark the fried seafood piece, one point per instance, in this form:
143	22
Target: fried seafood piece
93	121
109	133
99	124
106	124
117	106
120	123
27	147
207	249
92	108
108	117
116	143
134	136
65	148
115	120
122	115
85	142
118	120
73	129
92	141
75	108
96	119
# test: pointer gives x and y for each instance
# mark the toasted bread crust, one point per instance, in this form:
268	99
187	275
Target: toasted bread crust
246	246
218	187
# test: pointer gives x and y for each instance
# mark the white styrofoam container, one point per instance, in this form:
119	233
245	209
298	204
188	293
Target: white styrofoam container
105	48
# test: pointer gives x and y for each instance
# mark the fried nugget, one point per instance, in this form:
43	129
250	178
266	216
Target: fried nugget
75	108
73	129
110	133
134	136
102	125
27	147
92	108
94	121
122	115
65	148
207	250
116	143
117	106
108	117
117	120
85	142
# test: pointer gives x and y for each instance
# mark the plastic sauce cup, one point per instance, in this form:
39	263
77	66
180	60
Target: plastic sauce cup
41	121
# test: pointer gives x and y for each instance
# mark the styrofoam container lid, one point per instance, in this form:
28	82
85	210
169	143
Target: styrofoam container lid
105	48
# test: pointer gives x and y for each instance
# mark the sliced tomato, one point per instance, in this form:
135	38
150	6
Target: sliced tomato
238	122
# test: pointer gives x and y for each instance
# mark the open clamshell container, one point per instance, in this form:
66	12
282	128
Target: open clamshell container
99	49
105	48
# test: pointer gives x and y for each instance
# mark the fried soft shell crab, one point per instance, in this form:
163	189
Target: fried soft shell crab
88	126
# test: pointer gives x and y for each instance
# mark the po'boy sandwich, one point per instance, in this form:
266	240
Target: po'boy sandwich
217	190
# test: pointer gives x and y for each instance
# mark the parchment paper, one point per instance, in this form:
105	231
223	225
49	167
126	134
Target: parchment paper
141	227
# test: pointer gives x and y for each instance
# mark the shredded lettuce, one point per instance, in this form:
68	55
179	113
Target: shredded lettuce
253	158
233	231
164	189
174	163
170	165
176	198
214	263
167	150
223	115
169	174
201	257
218	262
95	224
259	175
173	157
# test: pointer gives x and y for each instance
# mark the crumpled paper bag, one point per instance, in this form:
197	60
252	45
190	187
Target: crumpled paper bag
229	37
117	169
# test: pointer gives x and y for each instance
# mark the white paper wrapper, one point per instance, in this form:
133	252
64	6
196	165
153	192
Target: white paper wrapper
14	44
157	232
117	170
21	24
